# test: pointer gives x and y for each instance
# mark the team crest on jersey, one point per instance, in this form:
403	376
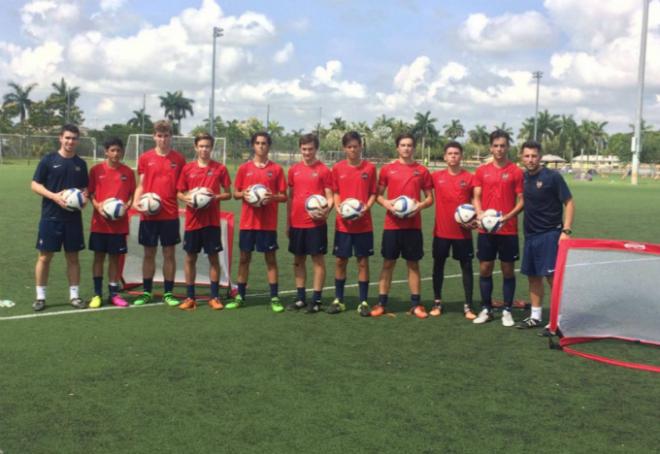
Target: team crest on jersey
539	184
364	176
462	183
315	174
77	169
173	165
209	173
417	173
123	178
505	176
269	174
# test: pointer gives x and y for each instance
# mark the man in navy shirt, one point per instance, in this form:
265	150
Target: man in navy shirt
546	194
56	172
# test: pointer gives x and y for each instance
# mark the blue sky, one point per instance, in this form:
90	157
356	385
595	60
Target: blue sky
470	60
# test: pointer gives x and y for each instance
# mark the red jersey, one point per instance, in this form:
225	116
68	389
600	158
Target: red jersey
271	176
213	176
499	188
358	182
306	180
160	175
104	183
404	179
450	192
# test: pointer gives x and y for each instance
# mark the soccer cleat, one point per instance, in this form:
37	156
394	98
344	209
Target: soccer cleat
507	319
529	322
216	304
170	300
77	303
38	305
336	307
419	311
436	310
238	302
363	309
546	333
313	308
95	302
296	305
377	310
143	299
118	301
484	316
468	314
189	304
276	305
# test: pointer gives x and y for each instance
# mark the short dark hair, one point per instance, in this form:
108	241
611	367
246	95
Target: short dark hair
70	128
499	134
204	136
253	139
532	144
350	136
453	144
113	141
163	127
309	138
405	135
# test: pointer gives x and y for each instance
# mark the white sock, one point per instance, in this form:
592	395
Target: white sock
73	292
41	292
537	313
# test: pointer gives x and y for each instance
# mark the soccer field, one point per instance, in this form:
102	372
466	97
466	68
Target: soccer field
156	379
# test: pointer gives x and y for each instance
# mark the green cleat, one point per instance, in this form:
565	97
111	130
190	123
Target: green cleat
363	309
336	307
238	302
170	300
276	305
143	299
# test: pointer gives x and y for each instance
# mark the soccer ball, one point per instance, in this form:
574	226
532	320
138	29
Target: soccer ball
403	206
255	194
491	221
316	202
350	208
150	203
200	197
465	213
74	199
113	208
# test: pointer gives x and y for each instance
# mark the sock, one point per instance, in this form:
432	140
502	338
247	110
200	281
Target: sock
113	288
190	291
41	292
486	289
98	285
438	277
74	291
215	288
537	313
364	290
169	286
147	285
415	300
382	299
339	288
241	288
300	292
508	291
468	282
316	296
273	290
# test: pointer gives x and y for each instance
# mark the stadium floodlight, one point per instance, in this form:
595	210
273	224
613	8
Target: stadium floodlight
217	33
637	139
537	75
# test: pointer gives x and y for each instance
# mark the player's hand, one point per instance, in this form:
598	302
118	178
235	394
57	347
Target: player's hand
564	236
387	204
472	225
189	201
139	208
267	198
59	199
319	215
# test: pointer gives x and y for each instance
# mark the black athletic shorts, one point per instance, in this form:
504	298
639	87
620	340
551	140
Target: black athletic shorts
407	243
312	241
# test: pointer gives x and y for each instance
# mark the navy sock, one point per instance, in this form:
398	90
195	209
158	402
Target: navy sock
169	286
147	285
316	296
339	288
190	290
438	277
364	290
98	285
241	288
300	293
486	288
215	287
468	281
415	300
508	291
113	289
382	299
273	290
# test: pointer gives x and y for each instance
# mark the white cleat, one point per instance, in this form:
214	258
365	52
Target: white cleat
507	319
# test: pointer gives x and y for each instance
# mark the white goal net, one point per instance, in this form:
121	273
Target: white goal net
136	144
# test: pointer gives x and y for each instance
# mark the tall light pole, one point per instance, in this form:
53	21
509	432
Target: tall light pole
637	139
537	75
217	33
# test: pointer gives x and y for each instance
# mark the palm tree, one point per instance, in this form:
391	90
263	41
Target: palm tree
141	121
547	127
569	136
504	127
424	127
63	98
480	137
454	129
339	124
176	107
275	129
19	100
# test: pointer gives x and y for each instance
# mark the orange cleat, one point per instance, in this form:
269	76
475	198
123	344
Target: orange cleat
419	311
436	310
216	304
188	304
469	315
377	310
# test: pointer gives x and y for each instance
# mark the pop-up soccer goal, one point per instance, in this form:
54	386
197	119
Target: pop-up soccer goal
606	289
132	263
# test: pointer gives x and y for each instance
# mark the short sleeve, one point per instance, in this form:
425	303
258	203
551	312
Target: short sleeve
281	184
238	182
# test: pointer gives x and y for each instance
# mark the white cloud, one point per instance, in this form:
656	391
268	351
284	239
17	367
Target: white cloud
36	64
507	33
105	106
327	76
111	5
284	54
48	19
268	90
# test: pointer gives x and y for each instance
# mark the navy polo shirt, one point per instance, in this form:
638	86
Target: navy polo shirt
57	173
545	194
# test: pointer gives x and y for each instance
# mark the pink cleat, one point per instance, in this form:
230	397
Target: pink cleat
118	301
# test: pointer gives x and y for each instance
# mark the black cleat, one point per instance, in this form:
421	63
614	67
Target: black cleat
78	303
296	305
39	305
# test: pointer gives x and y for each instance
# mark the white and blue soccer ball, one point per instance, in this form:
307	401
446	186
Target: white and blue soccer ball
350	208
74	199
150	203
491	221
256	194
316	203
465	213
200	197
113	208
404	206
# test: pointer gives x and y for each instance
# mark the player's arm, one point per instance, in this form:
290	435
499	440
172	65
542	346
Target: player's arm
138	193
289	202
225	193
382	201
41	190
184	197
476	201
569	215
516	209
428	200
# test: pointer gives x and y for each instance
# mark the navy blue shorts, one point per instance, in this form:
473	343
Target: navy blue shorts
167	231
110	243
53	234
407	243
261	240
360	243
540	253
462	250
313	241
207	238
490	247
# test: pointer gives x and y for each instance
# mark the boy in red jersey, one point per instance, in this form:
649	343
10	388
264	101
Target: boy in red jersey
498	186
258	227
109	179
403	237
353	178
308	232
159	171
202	228
453	187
